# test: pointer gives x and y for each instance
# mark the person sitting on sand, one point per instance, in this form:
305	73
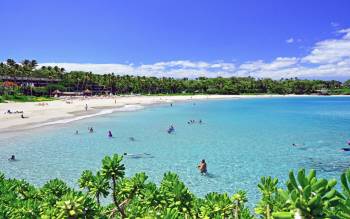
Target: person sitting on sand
202	167
12	158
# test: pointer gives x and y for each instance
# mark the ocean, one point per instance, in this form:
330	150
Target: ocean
241	140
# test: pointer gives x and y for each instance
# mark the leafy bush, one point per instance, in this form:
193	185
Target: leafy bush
23	98
305	196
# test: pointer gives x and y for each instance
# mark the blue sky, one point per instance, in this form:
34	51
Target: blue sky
182	38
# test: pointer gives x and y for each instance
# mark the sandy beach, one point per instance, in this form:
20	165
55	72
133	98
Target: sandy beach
39	114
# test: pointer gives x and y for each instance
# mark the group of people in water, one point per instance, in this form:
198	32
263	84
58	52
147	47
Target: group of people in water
109	133
192	121
345	149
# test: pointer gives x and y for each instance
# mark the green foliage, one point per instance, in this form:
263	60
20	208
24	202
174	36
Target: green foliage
305	196
23	98
126	84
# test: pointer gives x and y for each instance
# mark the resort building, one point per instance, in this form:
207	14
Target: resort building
29	81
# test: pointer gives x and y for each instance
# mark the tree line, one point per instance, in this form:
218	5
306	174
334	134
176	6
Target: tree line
126	84
303	196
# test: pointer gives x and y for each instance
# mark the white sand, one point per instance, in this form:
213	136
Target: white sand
59	111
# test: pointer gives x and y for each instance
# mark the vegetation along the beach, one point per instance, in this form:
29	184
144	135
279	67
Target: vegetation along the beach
118	83
108	193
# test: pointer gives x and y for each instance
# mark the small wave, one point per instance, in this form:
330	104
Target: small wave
126	108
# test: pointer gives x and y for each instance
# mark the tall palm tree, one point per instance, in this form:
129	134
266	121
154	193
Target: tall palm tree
34	63
10	62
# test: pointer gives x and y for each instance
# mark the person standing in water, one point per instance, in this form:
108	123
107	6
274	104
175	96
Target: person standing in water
202	167
110	134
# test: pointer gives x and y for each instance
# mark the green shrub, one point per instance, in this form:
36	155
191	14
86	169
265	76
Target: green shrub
305	196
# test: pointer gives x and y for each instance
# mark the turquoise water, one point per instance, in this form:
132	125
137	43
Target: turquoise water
241	141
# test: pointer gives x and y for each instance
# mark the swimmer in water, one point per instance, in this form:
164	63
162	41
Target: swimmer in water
12	158
110	134
171	129
91	130
76	132
132	139
143	155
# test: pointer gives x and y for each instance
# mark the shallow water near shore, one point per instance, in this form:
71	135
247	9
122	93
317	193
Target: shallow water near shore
241	141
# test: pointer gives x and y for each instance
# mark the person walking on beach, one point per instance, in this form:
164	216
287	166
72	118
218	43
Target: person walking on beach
86	107
202	167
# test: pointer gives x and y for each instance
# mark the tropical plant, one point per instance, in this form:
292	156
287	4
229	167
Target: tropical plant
304	197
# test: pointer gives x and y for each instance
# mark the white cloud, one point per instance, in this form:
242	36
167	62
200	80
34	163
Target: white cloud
290	40
178	68
330	58
95	68
334	24
330	51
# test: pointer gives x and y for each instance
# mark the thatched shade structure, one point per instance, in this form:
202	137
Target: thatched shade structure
87	92
56	92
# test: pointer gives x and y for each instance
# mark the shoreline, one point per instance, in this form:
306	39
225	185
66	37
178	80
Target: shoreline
73	109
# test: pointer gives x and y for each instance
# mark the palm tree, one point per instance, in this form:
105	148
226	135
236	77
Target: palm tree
113	169
33	63
10	62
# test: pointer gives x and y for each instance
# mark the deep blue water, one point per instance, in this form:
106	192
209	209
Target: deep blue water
241	141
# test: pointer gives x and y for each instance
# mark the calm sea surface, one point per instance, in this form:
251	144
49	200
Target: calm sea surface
241	141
